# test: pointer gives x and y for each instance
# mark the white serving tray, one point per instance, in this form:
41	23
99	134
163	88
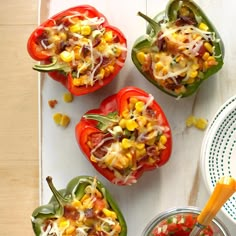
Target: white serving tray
179	182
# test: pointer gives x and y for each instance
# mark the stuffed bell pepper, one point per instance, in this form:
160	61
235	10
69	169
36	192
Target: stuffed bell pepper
127	135
180	50
84	208
78	48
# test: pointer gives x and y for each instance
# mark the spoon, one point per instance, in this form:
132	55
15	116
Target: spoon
223	190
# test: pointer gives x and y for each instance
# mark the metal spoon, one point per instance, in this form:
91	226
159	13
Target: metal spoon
223	190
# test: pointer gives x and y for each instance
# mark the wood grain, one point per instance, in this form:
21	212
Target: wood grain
19	119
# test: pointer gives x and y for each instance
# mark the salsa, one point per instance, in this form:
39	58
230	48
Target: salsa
180	225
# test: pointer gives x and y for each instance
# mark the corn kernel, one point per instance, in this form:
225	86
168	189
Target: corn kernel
122	123
111	68
191	120
193	74
54	38
65	120
57	118
80	81
139	106
62	36
61	119
64	224
163	139
157	57
211	61
190	80
84	198
161	146
75	28
77	204
141	56
211	58
151	140
180	90
182	63
66	56
109	213
142	120
85	30
108	36
195	66
201	123
108	70
131	125
121	163
124	161
205	56
126	114
139	145
76	50
165	70
203	26
102	45
109	159
126	143
179	58
158	66
92	157
117	228
70	230
101	74
208	47
68	97
140	153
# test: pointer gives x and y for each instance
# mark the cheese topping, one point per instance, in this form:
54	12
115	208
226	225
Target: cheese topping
180	54
84	47
90	215
137	138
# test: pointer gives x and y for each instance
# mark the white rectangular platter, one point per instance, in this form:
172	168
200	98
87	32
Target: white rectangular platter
179	182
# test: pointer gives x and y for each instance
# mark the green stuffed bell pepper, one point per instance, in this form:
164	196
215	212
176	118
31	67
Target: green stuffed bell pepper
180	50
84	208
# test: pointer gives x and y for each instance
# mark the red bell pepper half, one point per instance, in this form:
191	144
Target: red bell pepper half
78	48
127	135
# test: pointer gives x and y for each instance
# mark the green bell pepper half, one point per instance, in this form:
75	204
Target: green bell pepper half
148	43
75	191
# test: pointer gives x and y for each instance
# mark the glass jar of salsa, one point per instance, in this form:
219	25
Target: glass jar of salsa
179	222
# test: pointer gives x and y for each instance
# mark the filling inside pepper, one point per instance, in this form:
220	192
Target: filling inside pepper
134	138
179	225
82	46
88	216
181	52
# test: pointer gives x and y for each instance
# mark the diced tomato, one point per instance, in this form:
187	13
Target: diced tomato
180	226
189	221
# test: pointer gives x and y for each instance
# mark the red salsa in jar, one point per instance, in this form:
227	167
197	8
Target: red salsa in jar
179	225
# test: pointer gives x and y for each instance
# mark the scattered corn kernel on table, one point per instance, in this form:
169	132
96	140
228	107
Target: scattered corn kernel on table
179	182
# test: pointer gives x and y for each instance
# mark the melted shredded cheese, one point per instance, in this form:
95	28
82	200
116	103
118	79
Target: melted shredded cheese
102	222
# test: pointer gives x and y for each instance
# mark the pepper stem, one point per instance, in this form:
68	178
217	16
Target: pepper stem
54	66
60	199
105	121
152	22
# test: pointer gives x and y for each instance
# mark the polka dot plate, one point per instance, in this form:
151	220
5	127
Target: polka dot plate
218	152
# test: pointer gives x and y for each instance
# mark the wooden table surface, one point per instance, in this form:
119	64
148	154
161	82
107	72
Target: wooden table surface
19	119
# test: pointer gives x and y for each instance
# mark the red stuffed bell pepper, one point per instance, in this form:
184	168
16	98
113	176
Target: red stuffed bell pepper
79	49
127	135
